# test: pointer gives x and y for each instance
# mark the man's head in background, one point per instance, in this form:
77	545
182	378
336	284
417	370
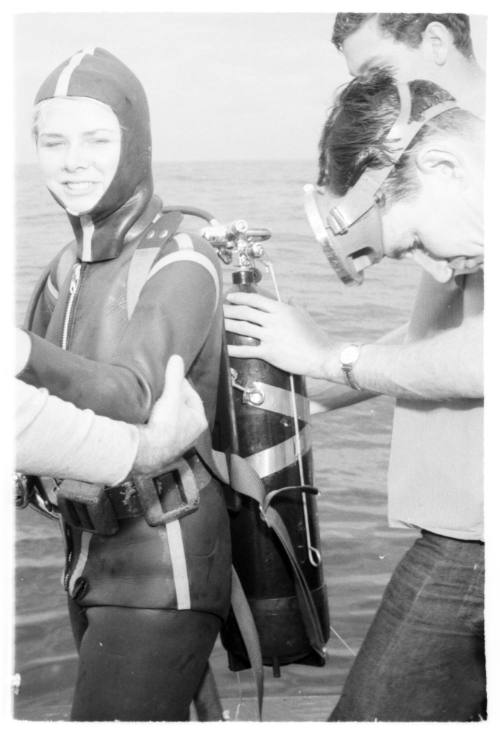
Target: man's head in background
437	47
404	41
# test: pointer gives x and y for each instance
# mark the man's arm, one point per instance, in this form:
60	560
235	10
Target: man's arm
445	366
339	396
54	438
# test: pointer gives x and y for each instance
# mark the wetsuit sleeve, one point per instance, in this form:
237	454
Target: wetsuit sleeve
174	315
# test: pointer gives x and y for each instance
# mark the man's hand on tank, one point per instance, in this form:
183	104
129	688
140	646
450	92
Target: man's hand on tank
289	338
176	421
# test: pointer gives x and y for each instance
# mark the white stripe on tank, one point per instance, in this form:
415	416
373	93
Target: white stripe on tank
179	564
82	560
62	85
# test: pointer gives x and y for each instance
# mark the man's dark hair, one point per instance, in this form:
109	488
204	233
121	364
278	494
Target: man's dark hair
354	136
407	28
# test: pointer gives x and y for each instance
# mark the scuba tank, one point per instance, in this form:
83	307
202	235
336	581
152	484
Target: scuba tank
272	418
274	527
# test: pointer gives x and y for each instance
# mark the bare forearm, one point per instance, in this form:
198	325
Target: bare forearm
443	367
54	438
340	396
336	397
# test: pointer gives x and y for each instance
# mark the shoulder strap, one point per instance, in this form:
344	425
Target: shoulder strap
161	229
186	252
35	298
146	260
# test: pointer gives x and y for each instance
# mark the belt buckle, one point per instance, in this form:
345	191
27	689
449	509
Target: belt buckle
150	490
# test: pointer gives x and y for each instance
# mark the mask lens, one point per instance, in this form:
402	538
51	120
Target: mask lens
348	248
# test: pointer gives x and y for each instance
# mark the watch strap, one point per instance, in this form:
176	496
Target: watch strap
347	367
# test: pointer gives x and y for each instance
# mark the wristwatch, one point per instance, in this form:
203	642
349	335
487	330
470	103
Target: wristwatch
348	357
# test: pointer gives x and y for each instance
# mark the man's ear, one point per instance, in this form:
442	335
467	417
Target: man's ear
439	160
437	42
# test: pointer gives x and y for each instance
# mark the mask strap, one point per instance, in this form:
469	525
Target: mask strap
360	198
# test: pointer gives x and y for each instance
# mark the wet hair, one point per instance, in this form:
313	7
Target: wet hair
40	107
38	111
354	136
406	28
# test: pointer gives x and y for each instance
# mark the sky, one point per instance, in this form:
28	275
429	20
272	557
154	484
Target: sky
220	85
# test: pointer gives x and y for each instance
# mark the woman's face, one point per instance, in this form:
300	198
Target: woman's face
78	143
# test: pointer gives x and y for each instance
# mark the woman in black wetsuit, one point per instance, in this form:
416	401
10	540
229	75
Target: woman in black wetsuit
146	601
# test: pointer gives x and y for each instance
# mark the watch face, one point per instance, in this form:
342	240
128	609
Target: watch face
349	354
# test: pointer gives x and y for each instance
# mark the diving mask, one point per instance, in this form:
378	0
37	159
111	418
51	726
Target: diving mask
350	231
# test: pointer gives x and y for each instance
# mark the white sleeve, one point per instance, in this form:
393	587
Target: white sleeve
23	349
54	438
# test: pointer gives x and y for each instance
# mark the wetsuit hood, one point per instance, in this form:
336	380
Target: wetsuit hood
97	74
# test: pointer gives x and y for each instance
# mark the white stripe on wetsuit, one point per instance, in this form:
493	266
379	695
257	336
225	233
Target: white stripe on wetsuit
171	535
187	253
88	230
52	289
140	265
62	85
184	241
82	560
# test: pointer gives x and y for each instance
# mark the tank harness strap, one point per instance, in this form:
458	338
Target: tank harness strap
140	265
187	253
41	285
304	596
246	481
161	229
248	630
143	266
48	284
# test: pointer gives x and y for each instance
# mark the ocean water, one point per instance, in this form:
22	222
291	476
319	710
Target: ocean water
351	446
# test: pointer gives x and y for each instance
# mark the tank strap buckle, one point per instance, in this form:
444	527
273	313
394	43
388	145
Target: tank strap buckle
178	490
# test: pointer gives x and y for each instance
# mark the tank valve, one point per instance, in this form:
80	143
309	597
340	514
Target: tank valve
236	241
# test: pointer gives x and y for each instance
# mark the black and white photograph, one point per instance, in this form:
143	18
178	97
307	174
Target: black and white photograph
248	293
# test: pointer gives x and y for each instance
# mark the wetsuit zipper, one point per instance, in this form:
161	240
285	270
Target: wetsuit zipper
73	290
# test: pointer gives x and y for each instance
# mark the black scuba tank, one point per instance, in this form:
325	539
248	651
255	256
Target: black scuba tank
273	433
263	417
